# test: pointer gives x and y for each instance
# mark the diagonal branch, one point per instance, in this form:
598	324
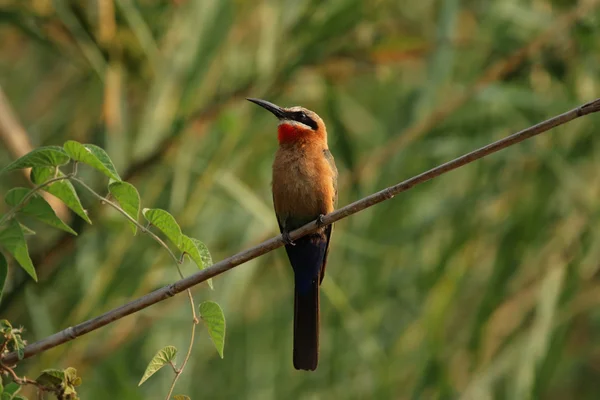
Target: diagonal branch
273	243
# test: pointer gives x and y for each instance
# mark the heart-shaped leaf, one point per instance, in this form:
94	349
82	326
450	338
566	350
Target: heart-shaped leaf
13	240
165	222
212	315
128	198
37	207
48	156
162	358
93	156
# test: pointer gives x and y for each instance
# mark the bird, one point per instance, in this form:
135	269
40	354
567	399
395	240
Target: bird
304	189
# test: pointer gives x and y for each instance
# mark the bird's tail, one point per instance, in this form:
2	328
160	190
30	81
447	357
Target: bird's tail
306	327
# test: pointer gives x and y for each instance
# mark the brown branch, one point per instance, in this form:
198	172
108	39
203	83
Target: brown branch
273	243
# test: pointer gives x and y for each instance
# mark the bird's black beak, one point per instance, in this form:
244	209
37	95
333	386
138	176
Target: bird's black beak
276	110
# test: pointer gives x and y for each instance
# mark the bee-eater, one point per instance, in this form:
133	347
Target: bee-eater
304	190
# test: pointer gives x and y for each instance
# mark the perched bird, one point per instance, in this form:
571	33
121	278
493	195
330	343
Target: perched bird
304	189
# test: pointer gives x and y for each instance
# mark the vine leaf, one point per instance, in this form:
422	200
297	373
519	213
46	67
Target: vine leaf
128	198
189	247
36	207
10	391
212	315
13	240
166	223
63	190
204	253
162	358
93	156
64	381
47	156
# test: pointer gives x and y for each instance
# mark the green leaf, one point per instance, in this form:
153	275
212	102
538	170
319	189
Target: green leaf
19	397
3	274
93	156
26	230
128	198
48	156
5	326
51	377
181	397
19	345
71	378
204	253
12	388
165	222
162	358
36	207
212	315
189	246
13	240
63	190
10	391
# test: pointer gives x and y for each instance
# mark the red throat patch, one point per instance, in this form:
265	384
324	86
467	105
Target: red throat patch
288	133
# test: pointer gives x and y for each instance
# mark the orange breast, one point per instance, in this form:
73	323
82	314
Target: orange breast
302	182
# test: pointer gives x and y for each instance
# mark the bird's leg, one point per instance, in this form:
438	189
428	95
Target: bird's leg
286	238
320	220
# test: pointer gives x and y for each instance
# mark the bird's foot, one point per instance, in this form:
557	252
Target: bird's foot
320	220
287	239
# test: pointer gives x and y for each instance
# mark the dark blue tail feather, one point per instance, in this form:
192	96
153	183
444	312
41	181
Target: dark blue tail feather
307	257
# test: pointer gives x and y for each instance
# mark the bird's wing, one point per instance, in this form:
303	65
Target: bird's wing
329	228
329	158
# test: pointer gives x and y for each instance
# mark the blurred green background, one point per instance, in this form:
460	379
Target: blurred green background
482	284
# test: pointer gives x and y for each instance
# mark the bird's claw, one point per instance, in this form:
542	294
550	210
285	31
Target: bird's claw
287	239
320	220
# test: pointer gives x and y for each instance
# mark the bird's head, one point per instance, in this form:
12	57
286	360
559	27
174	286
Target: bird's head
295	123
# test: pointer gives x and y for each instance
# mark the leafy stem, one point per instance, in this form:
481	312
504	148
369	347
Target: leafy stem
144	229
25	381
179	371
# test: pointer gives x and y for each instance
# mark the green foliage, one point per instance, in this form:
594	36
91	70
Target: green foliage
93	156
181	397
49	156
13	240
10	392
61	381
128	198
197	252
11	337
163	357
63	190
36	206
214	319
29	202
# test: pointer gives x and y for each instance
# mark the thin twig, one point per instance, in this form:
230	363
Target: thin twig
273	243
24	381
179	371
